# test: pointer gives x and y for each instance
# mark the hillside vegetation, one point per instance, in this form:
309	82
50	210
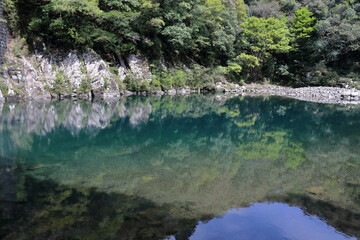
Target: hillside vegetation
289	42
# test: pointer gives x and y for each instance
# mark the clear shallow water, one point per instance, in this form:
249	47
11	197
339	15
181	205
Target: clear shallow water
169	167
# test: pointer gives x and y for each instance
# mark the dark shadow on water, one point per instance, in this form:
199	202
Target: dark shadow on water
34	209
41	209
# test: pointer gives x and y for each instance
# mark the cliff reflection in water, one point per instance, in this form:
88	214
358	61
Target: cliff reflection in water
161	164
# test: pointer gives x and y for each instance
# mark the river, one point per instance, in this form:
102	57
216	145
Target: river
179	167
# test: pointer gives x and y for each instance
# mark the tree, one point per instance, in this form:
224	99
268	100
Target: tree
304	23
262	38
214	6
241	10
266	36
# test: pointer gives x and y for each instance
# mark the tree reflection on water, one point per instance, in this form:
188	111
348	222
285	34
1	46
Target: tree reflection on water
152	167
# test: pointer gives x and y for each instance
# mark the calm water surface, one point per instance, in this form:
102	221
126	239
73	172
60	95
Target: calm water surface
182	167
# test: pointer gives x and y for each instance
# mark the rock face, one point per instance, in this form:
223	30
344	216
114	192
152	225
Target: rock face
75	75
139	66
3	35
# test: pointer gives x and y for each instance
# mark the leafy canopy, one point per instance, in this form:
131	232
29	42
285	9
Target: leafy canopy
304	23
266	36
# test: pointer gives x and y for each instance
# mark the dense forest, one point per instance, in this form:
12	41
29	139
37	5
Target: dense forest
288	42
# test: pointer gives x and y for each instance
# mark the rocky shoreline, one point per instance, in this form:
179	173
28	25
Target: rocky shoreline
327	95
330	95
88	76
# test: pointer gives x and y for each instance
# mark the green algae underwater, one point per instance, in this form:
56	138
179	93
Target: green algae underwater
170	167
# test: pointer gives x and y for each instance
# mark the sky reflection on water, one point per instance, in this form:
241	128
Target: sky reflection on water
266	221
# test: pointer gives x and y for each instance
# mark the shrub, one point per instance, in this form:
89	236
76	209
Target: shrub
85	85
4	88
169	79
120	83
20	47
61	84
135	84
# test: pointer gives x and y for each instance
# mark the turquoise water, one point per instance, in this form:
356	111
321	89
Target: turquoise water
181	167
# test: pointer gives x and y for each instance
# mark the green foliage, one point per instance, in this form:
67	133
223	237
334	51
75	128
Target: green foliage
11	14
85	85
234	68
214	6
241	10
114	70
198	77
121	85
169	79
242	62
248	61
303	24
179	35
135	84
4	88
262	39
288	39
102	25
19	47
61	84
266	36
182	29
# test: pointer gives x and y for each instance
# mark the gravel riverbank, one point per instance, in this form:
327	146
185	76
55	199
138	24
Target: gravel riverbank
333	95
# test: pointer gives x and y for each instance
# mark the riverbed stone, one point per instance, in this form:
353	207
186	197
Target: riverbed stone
312	94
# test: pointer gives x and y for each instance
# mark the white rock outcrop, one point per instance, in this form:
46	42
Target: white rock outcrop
82	74
139	66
